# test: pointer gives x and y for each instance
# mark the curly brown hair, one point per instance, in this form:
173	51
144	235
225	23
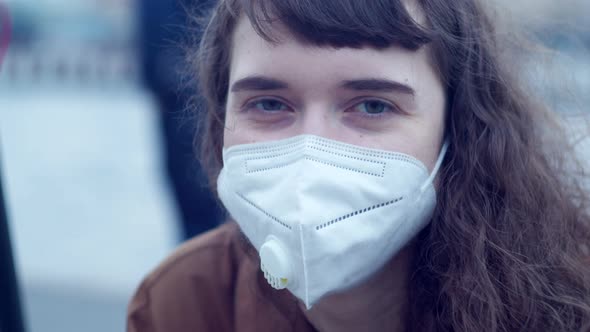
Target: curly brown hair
507	248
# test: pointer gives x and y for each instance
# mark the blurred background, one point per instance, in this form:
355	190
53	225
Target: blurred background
95	153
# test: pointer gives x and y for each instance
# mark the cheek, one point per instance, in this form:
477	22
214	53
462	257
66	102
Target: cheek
429	154
239	131
419	142
421	137
427	148
232	134
432	123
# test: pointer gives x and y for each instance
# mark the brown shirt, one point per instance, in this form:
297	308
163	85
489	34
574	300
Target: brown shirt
212	283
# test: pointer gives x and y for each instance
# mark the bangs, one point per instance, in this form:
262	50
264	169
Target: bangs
337	23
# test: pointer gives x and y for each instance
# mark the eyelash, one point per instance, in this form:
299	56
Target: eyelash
392	108
252	104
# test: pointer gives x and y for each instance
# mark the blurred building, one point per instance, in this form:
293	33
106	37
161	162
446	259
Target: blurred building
71	43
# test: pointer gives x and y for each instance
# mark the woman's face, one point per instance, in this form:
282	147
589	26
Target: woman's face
388	99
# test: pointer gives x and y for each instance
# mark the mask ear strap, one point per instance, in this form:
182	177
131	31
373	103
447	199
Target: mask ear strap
441	157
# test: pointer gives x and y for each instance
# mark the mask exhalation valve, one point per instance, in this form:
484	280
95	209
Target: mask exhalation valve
274	262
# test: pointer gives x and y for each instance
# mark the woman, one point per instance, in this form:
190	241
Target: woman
383	171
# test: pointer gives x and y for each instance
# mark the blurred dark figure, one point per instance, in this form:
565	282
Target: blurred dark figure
5	31
163	23
11	315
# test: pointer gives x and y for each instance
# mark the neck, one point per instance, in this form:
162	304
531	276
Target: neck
378	304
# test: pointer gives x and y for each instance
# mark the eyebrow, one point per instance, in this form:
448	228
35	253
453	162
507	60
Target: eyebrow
378	85
258	83
262	83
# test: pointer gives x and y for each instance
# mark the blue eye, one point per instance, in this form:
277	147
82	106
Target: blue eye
373	107
269	105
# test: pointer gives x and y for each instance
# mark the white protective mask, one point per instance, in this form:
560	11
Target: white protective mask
324	215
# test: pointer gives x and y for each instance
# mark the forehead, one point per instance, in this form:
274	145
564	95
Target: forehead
302	62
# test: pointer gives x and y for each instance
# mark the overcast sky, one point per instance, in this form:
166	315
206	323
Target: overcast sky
575	12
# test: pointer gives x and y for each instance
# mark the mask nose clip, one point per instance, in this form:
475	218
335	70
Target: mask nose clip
275	263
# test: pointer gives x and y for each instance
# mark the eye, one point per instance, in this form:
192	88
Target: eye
267	105
267	112
373	107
